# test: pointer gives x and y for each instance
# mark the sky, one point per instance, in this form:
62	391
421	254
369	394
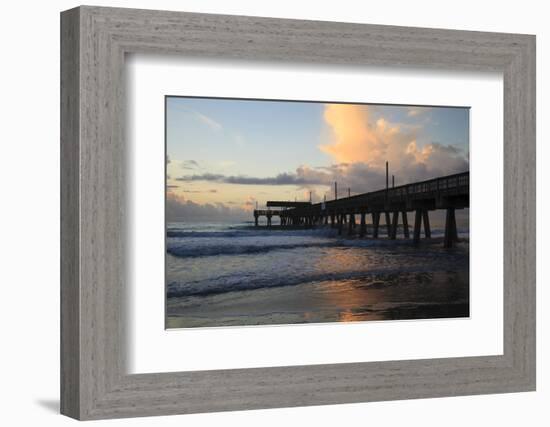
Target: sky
226	155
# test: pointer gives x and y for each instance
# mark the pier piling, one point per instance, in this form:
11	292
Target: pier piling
451	234
375	224
351	224
427	230
388	223
394	224
417	224
405	225
363	228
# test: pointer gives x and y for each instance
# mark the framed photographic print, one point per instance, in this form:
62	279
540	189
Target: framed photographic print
255	237
262	213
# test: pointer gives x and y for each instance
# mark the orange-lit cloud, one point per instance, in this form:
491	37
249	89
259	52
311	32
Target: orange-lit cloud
357	137
249	204
353	138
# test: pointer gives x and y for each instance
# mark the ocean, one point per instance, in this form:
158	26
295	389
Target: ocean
235	275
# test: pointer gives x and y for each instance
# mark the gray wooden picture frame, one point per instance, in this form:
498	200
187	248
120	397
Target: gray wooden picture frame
94	381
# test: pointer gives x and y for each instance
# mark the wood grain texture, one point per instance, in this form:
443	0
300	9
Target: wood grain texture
94	270
70	297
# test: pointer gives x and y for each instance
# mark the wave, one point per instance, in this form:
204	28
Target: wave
195	251
238	232
233	283
241	247
246	232
204	234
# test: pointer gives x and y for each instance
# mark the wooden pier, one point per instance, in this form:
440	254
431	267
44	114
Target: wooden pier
447	192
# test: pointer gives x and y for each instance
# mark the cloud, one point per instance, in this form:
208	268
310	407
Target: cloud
208	121
194	191
176	108
189	164
202	177
280	179
249	204
353	138
359	176
357	138
180	209
416	111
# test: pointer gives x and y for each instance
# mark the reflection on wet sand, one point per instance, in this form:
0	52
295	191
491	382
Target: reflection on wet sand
399	295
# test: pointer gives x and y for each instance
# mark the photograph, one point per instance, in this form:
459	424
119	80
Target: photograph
288	212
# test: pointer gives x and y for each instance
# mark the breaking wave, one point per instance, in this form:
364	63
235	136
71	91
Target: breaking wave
195	251
236	283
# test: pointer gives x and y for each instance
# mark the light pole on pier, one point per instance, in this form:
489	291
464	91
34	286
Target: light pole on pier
387	171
